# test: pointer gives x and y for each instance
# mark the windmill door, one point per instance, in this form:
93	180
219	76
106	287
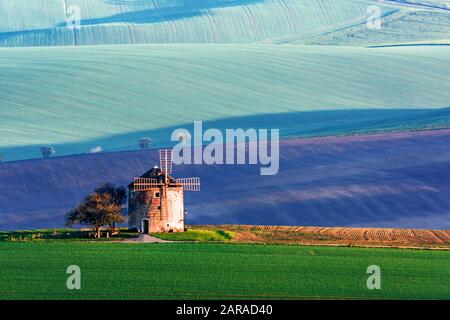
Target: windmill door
145	226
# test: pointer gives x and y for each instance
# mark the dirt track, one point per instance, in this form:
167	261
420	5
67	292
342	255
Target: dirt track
144	238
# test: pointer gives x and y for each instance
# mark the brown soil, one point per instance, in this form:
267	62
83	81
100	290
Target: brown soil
371	237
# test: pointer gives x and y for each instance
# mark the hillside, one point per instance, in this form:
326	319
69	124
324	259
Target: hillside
167	21
311	68
109	96
396	180
406	22
43	22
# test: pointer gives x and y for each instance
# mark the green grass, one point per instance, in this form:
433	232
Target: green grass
59	235
206	270
198	235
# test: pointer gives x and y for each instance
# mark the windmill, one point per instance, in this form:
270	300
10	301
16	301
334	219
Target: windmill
156	199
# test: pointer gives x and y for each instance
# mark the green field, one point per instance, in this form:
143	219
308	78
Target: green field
206	270
43	23
110	96
336	22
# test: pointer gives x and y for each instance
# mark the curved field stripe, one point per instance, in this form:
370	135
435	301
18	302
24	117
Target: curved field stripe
107	95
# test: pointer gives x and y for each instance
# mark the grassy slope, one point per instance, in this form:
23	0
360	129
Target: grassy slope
408	22
394	180
71	95
29	23
400	27
198	234
186	271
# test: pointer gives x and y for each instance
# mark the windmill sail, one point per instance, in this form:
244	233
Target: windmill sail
190	184
144	184
165	159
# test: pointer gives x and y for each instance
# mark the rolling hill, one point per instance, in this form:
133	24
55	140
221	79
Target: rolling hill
142	68
108	96
44	23
388	180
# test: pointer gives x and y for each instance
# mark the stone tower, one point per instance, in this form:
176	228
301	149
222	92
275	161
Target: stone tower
156	199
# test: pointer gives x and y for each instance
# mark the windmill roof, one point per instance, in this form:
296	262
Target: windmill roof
153	173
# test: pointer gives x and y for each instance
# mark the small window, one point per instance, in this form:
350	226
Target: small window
156	195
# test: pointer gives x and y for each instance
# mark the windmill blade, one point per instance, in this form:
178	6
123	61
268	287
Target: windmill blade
190	184
165	160
145	184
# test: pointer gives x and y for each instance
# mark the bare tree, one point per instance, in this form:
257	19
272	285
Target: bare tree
144	143
47	151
